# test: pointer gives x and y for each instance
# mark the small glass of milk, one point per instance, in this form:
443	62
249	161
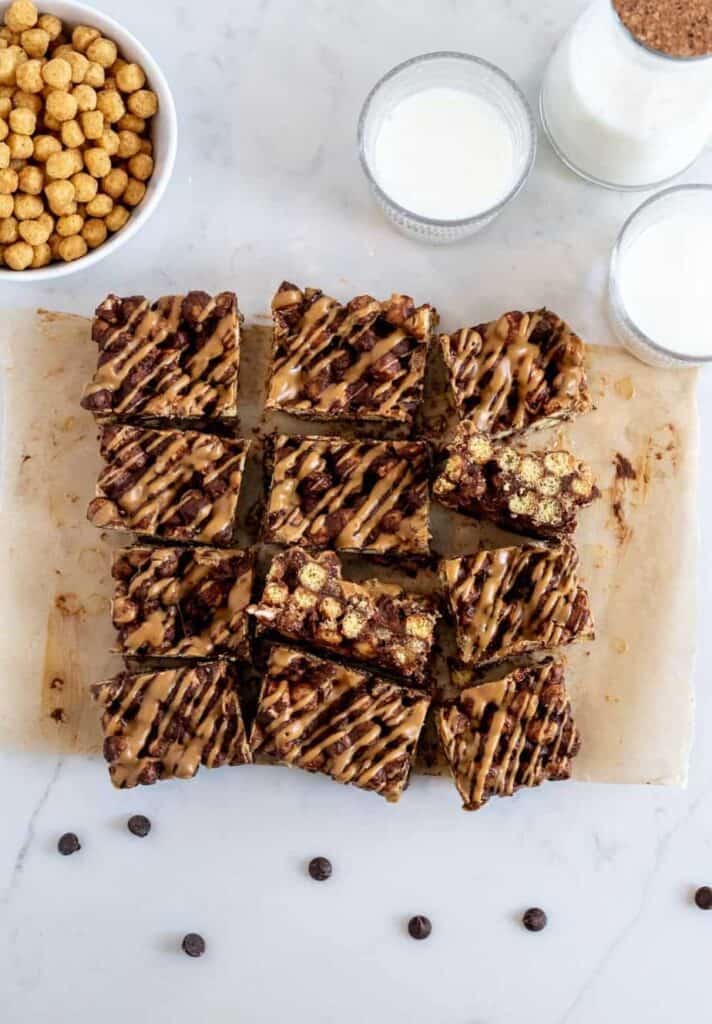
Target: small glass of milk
659	283
446	140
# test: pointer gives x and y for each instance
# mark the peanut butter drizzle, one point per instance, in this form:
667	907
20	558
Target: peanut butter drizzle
529	709
197	711
354	727
207	380
366	517
490	362
484	609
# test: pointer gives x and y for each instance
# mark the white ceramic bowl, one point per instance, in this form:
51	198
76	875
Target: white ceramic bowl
164	137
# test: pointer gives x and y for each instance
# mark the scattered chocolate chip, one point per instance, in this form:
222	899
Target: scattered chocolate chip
703	897
68	843
193	944
419	927
534	919
139	825
320	868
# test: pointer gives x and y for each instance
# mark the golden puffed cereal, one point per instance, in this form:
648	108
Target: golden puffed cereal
102	51
51	124
85	187
147	147
73	248
79	65
37	232
35	42
8	231
141	166
82	36
54	240
61	105
51	24
31	181
7	205
8	66
85	97
143	103
21	147
97	161
109	102
72	135
41	256
4	129
100	206
23	121
131	123
129	145
135	191
109	141
4	156
18	256
60	196
115	182
29	76
57	73
92	122
8	181
70	224
61	165
95	75
130	78
94	233
21	14
5	106
27	100
44	146
28	207
117	218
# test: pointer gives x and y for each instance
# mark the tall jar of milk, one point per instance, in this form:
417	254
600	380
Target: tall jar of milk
627	104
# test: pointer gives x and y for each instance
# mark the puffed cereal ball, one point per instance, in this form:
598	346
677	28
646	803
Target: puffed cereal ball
4	129
82	36
8	65
18	256
143	103
57	73
60	196
130	78
20	15
35	42
129	145
5	106
28	100
28	207
45	146
8	231
109	102
95	76
92	122
135	191
61	105
29	76
7	205
85	187
94	233
141	166
109	141
78	63
102	51
72	135
41	256
115	182
21	147
117	218
61	165
131	123
31	181
23	121
70	224
51	25
73	248
85	97
8	181
101	206
37	232
4	157
97	161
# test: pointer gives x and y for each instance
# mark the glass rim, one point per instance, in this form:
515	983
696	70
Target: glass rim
471	59
614	274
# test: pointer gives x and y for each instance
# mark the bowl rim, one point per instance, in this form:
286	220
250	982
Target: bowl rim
614	269
68	9
469	58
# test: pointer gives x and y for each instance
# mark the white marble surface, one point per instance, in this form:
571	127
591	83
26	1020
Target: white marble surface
267	186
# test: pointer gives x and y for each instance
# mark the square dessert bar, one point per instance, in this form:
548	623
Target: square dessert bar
176	358
166	724
366	496
510	601
523	370
537	493
182	602
323	717
362	361
305	598
175	485
501	735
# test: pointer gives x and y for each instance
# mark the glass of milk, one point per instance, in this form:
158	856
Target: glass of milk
659	282
619	114
446	140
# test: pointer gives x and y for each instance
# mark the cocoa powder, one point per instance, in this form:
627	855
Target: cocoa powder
678	28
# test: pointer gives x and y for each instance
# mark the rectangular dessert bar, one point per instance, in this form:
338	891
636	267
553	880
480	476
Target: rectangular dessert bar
536	493
177	358
366	496
523	370
305	598
166	724
362	361
175	485
182	602
507	733
323	717
510	601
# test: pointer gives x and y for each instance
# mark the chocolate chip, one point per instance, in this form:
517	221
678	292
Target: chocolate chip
68	843
534	919
139	825
703	897
320	868
419	927
193	944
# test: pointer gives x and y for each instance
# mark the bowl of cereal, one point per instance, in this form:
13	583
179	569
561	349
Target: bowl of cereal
88	137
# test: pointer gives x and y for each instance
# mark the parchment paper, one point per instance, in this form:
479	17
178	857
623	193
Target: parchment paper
631	688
